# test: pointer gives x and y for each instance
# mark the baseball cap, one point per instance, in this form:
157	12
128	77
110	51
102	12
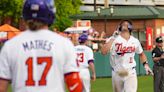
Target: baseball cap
159	39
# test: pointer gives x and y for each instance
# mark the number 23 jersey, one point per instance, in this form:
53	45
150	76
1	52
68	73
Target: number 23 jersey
84	55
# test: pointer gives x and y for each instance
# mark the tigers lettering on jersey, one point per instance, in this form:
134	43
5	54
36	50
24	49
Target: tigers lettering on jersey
121	50
37	44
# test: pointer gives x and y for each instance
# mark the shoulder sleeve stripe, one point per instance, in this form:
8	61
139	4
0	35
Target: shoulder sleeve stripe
90	61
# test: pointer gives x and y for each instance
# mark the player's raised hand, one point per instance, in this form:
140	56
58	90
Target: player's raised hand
148	70
115	33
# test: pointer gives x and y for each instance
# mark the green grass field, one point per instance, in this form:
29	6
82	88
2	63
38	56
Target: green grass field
145	84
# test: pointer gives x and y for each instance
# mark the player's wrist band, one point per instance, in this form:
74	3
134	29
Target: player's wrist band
145	63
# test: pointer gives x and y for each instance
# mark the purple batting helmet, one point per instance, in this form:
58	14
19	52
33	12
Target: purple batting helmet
83	38
42	10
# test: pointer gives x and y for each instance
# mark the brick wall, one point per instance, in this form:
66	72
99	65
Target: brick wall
99	25
159	23
138	25
111	26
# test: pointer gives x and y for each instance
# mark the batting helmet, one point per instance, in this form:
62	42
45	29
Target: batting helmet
41	10
130	27
83	38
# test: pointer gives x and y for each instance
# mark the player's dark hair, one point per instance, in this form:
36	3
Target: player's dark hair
34	25
122	21
82	42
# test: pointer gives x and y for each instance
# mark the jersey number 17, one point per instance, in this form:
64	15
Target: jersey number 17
40	60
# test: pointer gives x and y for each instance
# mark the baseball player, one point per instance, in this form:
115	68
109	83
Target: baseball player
85	59
122	51
39	60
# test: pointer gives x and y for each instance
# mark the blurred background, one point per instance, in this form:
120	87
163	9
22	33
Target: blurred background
97	18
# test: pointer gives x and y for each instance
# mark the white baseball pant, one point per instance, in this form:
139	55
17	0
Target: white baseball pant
85	76
125	84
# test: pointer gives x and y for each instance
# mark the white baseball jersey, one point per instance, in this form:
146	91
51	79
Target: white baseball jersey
37	61
123	51
84	55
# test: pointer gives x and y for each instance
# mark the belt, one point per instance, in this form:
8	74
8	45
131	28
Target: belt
131	68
